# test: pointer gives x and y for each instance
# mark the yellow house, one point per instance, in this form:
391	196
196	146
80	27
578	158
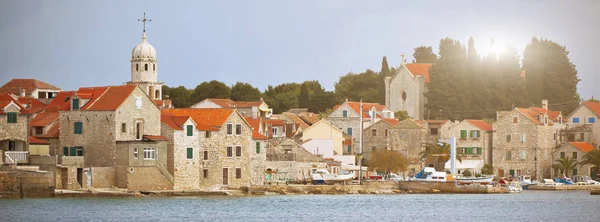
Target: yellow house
325	131
38	146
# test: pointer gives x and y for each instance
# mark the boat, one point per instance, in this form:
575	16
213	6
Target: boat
323	176
549	182
525	181
429	174
474	180
566	181
514	187
587	180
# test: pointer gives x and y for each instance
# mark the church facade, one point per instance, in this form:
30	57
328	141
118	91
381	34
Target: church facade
405	90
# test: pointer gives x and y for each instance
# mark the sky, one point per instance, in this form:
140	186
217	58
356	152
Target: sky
72	44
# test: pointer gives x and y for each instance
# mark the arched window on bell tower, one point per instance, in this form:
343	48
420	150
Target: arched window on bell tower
145	67
154	67
137	67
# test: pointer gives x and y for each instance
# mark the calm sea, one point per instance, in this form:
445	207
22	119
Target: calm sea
527	206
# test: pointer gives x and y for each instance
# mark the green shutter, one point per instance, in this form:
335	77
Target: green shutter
463	134
190	130
479	150
350	131
257	147
75	104
73	151
190	153
11	117
345	113
78	128
66	151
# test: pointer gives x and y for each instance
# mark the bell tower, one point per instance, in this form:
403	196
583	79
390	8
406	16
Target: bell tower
144	66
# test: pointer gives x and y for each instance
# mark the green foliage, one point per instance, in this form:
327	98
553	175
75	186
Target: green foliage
179	95
424	54
401	115
592	158
438	154
282	97
567	164
388	161
487	169
325	113
363	86
322	101
385	68
213	89
303	97
244	92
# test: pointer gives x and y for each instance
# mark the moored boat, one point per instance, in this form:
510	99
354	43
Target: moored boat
525	181
323	176
474	180
514	187
429	174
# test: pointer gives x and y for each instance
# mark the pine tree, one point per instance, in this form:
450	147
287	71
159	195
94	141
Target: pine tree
424	54
303	96
385	68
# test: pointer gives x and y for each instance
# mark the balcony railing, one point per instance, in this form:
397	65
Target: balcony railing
16	157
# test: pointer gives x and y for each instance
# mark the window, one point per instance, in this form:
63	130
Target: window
135	153
581	137
238	129
508	138
345	113
238	173
349	148
238	151
511	173
154	67
149	153
66	151
207	134
229	151
138	102
190	130
560	120
463	134
574	172
433	131
546	120
349	131
522	155
591	120
508	155
554	136
138	130
516	119
562	154
75	104
39	130
386	132
574	155
205	173
257	147
575	120
123	127
78	128
229	129
373	132
137	67
475	134
274	129
11	117
190	153
73	151
145	67
523	138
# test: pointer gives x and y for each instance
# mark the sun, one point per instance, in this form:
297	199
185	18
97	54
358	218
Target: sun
496	48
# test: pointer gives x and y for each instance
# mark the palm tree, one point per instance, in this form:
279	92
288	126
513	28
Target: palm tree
592	158
438	154
567	164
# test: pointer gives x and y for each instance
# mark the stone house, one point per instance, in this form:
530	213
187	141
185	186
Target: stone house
110	137
576	150
14	131
294	124
246	108
524	140
259	156
405	89
31	88
287	160
376	137
407	137
437	129
347	117
275	128
582	126
473	144
183	150
226	146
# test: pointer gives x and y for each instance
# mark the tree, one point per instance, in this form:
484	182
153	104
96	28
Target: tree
322	101
549	74
424	54
282	97
487	169
401	115
244	92
363	86
303	97
212	89
387	161
567	164
385	68
592	158
438	154
179	95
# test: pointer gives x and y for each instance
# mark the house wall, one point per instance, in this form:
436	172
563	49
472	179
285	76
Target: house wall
186	173
129	114
323	147
408	139
351	121
583	113
322	130
379	141
14	131
141	174
483	141
258	161
414	87
97	138
568	149
292	170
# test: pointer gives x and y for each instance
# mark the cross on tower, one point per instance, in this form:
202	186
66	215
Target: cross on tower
144	21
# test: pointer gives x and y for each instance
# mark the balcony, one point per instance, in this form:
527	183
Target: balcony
71	161
16	157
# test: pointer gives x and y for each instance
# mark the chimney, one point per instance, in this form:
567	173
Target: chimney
545	104
22	92
261	99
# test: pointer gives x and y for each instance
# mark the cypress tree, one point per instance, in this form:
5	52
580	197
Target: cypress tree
385	68
424	54
303	96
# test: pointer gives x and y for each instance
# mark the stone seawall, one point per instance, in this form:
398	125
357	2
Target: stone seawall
20	183
375	187
447	187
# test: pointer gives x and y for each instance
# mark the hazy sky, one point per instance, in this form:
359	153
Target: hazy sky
88	43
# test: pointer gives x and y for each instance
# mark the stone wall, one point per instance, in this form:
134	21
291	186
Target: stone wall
128	113
258	163
484	141
407	137
147	178
127	164
292	170
568	151
413	86
17	183
97	137
375	137
14	131
187	171
103	177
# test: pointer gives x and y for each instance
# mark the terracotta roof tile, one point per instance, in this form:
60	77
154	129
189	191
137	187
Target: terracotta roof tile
485	126
52	132
168	120
275	122
583	146
32	104
391	121
155	138
110	99
534	112
6	99
33	140
61	100
206	119
296	119
366	108
228	103
310	118
419	69
44	118
594	106
158	102
14	86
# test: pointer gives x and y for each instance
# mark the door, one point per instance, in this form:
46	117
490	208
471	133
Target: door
500	173
225	176
80	176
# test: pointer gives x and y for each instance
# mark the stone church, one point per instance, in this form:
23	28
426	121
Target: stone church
405	89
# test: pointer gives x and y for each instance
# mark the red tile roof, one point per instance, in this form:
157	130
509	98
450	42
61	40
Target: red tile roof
52	132
391	121
32	104
228	103
255	124
534	112
44	118
296	119
168	120
110	99
366	108
419	69
6	99
33	140
206	119
275	122
14	86
594	106
583	146
61	100
155	138
485	126
158	102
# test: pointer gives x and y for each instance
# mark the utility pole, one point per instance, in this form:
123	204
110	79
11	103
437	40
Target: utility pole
360	143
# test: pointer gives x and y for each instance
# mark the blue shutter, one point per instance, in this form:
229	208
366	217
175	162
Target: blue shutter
78	128
350	131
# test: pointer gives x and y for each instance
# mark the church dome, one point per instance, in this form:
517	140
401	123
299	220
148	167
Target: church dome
143	50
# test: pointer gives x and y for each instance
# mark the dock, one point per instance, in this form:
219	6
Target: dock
564	187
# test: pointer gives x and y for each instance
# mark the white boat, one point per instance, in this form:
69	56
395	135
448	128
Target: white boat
525	181
429	174
514	187
323	176
474	180
587	180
